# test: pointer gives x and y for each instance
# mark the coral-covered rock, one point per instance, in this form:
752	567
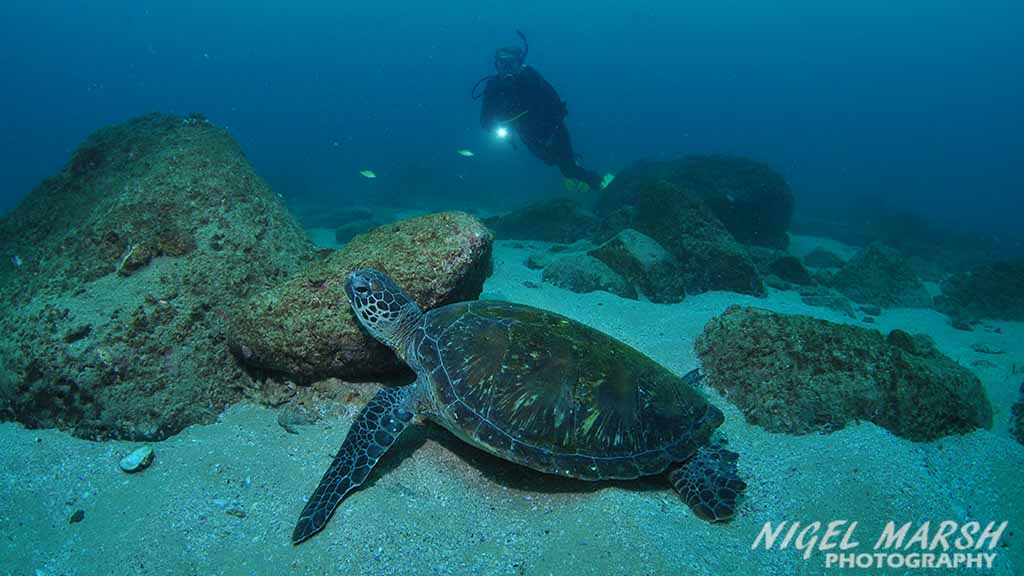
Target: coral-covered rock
709	258
994	291
582	273
305	327
559	220
797	374
751	199
642	261
129	256
822	258
881	276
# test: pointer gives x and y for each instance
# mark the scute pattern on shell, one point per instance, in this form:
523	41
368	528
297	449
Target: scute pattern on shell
550	393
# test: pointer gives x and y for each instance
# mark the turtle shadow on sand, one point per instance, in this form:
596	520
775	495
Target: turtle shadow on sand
496	470
519	477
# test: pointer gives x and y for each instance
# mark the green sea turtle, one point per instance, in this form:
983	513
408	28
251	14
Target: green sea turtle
532	387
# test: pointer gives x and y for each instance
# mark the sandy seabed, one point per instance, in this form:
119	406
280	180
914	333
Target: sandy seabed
222	499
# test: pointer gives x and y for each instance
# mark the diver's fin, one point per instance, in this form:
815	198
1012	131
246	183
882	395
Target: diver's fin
709	483
374	430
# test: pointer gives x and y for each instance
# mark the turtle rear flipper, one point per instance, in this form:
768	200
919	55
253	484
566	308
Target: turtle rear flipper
374	430
709	483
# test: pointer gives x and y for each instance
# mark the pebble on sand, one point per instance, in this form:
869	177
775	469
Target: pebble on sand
138	460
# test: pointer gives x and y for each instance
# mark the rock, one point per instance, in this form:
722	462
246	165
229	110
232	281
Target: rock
780	264
582	273
146	236
797	375
642	261
871	310
880	276
559	220
933	250
994	291
984	348
304	327
751	199
961	324
137	460
821	258
708	256
790	269
346	232
827	298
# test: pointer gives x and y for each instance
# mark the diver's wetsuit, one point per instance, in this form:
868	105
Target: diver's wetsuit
539	119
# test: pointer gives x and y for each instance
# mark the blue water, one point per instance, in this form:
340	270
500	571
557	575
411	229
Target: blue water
916	103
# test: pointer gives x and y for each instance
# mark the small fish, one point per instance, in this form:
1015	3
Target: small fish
17	261
367	174
606	180
465	152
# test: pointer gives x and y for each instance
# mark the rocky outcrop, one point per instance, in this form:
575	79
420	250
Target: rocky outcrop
781	265
708	256
994	291
560	220
881	276
304	328
642	261
123	265
797	374
582	273
752	200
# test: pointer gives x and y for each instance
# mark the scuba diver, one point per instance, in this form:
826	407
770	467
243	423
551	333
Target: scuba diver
519	98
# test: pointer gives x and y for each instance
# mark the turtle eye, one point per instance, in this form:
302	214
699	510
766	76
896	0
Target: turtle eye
362	289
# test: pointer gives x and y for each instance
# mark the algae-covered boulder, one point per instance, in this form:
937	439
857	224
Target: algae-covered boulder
305	328
559	220
994	291
797	374
642	261
881	276
751	199
582	273
708	256
125	262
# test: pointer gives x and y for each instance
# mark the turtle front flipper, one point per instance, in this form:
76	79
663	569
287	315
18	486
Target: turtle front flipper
374	430
709	483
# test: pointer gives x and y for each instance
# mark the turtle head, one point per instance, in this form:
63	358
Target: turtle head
386	311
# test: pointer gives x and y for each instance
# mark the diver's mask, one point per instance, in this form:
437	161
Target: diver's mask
508	62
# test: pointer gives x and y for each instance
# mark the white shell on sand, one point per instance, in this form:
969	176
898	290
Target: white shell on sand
138	460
